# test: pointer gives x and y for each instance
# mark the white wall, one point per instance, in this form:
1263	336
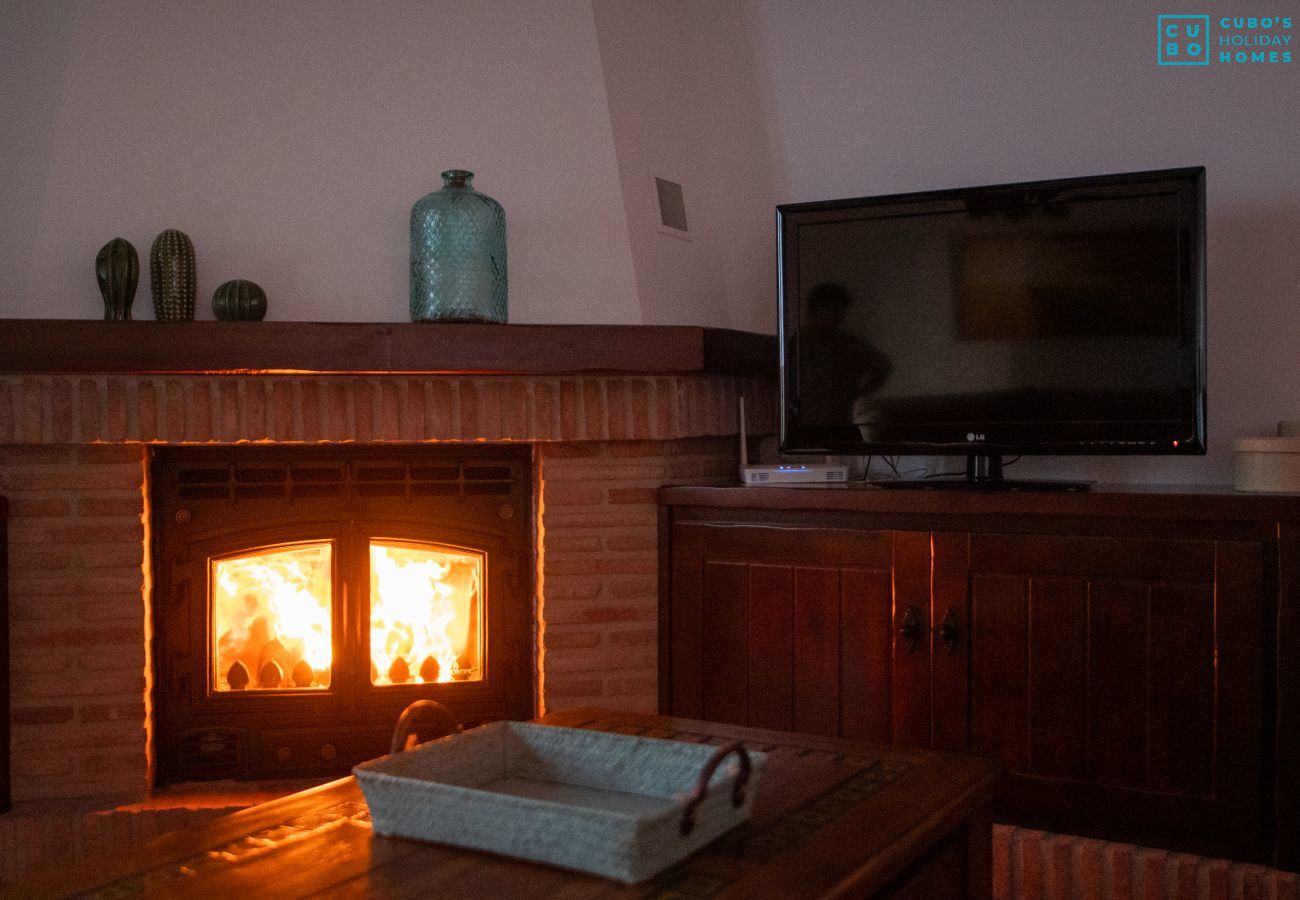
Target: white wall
874	98
289	140
684	106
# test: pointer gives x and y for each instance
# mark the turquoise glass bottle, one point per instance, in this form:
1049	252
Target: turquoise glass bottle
458	254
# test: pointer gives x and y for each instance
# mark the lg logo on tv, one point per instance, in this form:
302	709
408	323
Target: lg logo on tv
1184	41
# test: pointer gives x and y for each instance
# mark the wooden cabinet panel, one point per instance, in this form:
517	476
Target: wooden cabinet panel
1121	688
1130	655
794	628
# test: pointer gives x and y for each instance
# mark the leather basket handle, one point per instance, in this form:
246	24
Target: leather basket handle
702	783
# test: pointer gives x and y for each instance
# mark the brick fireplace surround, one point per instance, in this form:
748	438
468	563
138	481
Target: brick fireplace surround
612	413
74	464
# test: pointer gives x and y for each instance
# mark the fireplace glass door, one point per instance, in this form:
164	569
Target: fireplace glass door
424	614
304	597
271	619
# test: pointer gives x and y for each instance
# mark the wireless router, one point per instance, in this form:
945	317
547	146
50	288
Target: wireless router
785	474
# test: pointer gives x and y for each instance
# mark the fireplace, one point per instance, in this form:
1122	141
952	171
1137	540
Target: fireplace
305	596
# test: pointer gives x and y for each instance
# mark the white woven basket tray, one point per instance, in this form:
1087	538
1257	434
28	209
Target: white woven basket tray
610	804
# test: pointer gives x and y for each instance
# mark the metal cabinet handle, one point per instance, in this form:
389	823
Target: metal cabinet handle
950	632
910	629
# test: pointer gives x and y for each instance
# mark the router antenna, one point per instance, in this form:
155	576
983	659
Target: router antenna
744	450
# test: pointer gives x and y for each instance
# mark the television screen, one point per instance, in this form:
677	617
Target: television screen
1046	317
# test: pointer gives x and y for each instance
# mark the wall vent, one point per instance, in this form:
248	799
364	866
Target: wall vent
672	206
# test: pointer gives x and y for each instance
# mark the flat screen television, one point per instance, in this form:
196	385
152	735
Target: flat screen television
1048	317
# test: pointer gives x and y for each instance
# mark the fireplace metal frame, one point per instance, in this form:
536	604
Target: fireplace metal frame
210	502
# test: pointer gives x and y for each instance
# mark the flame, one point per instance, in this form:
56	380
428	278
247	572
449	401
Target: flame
273	606
423	605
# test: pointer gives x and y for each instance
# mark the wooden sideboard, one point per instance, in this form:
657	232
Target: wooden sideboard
1131	655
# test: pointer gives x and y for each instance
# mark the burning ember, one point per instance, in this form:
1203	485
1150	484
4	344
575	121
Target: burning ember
271	619
424	614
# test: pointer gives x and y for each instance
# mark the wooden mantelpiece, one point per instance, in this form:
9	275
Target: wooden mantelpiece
55	345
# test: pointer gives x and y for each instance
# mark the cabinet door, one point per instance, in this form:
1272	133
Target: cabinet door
1119	680
797	629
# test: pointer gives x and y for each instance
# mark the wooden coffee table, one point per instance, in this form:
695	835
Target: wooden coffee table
832	818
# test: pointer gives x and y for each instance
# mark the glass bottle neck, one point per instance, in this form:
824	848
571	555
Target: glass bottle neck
456	178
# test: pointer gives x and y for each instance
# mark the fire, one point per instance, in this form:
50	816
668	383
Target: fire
271	619
424	614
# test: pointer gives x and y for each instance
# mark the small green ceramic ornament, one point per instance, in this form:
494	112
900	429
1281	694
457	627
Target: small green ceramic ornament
239	301
171	276
117	268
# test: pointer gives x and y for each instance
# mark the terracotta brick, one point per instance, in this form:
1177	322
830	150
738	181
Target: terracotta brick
25	614
126	607
635	449
571	495
109	556
58	685
633	638
88	409
544	419
146	410
309	399
575	660
40	715
385	404
467	394
115	410
38	660
97	533
111	763
616	410
570	410
7	423
552	453
641	424
637	684
634	495
42	584
626	543
282	416
411	412
571	543
226	421
35	764
1184	877
1088	868
16	455
1002	880
63	414
199	407
1060	865
259	410
126	505
340	418
1285	886
595	425
43	558
86	636
628	588
569	640
111	712
571	587
602	566
515	407
39	507
664	408
32	419
123	657
579	687
1117	864
1150	871
1029	868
